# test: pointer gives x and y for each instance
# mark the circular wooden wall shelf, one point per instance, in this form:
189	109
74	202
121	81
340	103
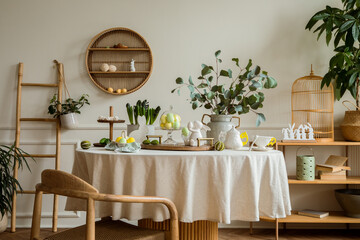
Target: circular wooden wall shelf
102	50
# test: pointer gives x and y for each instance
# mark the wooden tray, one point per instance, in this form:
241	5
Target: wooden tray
99	145
179	147
111	121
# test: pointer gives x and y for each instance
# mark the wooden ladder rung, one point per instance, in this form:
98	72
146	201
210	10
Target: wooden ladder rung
40	155
26	191
39	85
30	192
38	119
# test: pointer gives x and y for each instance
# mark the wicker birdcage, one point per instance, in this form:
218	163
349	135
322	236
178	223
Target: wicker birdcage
315	105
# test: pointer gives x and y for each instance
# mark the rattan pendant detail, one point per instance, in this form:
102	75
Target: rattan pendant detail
311	104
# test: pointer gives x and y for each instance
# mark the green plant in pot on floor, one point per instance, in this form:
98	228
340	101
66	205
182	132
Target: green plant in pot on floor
225	93
343	26
10	157
68	109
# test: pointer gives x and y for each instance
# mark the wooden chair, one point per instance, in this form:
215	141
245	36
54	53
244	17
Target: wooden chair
65	184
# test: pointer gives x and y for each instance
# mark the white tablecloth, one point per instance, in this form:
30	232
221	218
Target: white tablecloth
205	185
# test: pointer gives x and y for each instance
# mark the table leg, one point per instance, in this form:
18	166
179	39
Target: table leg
276	229
251	228
198	230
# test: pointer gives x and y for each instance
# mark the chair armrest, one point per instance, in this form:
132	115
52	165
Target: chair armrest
137	199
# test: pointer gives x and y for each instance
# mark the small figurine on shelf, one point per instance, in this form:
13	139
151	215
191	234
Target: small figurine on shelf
285	133
132	65
302	133
291	131
311	132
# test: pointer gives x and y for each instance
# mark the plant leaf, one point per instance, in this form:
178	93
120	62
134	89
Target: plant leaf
190	80
205	71
179	80
217	53
224	73
236	60
355	31
260	118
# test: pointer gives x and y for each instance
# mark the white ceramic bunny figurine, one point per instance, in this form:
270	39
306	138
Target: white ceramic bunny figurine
195	129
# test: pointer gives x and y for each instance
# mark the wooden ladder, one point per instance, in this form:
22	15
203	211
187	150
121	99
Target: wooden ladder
19	119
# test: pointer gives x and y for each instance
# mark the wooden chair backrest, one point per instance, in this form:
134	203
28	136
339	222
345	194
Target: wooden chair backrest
62	180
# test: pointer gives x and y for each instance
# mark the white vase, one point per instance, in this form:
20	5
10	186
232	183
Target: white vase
3	222
69	121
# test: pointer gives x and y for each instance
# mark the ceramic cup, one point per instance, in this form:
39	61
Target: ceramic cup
262	141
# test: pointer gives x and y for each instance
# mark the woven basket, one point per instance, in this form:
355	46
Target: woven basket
350	127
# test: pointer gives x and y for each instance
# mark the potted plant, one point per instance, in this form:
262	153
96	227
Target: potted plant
344	67
9	156
226	93
141	109
68	109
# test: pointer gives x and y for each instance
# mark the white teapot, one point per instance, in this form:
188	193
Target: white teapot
232	138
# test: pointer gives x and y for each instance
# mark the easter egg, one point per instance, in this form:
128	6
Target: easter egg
219	146
155	142
176	125
168	125
110	89
118	139
112	68
122	140
105	141
146	142
85	144
104	67
162	125
124	90
130	140
163	119
177	118
118	90
170	118
185	131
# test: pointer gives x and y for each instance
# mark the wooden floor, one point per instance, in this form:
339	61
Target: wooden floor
233	234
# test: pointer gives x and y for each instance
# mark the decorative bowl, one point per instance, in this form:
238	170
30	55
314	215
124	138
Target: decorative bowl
349	200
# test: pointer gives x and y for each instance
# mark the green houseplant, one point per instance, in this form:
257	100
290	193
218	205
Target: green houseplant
141	109
343	25
225	93
9	157
68	109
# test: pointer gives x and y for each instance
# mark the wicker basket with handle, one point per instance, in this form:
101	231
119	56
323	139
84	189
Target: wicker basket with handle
350	127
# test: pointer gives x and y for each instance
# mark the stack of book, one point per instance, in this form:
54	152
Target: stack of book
312	213
333	169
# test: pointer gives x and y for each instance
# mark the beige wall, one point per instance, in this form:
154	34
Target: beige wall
181	34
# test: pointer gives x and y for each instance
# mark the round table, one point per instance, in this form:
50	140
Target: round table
207	187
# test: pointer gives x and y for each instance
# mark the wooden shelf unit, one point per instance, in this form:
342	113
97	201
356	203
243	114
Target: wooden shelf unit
349	180
101	50
334	217
120	72
334	143
119	49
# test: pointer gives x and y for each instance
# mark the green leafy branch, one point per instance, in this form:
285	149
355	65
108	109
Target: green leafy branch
69	106
240	93
343	25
